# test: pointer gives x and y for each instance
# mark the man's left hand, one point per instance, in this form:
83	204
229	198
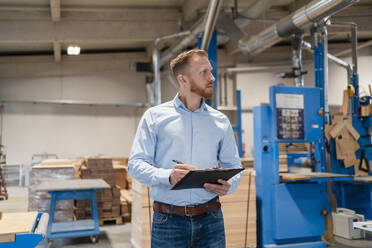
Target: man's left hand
217	188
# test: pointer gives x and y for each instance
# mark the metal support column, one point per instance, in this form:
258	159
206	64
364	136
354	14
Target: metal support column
212	55
319	83
238	126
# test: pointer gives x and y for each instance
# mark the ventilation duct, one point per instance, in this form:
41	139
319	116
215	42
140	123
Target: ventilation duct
295	23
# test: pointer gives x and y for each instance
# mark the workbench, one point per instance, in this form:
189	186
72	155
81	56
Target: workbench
19	230
73	190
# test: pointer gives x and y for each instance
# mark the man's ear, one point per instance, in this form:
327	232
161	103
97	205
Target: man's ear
181	79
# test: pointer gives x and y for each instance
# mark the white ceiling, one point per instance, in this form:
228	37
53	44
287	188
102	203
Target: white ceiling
27	26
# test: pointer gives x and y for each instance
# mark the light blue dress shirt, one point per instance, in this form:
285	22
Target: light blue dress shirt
169	132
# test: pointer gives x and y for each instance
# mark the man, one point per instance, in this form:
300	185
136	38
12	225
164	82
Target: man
188	130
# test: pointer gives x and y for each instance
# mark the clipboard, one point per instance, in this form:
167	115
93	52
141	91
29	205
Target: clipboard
197	178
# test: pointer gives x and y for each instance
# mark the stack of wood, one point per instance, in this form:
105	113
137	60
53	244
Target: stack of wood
108	200
247	162
292	147
126	198
121	172
124	183
239	210
283	164
141	216
49	170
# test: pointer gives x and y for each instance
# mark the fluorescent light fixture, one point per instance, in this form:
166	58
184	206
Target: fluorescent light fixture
73	50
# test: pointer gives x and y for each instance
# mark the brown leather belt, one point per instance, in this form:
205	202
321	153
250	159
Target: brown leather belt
188	210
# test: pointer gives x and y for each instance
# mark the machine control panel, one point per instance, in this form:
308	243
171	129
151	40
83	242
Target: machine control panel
290	116
295	113
290	123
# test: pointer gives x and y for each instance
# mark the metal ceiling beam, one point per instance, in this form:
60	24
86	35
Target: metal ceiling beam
85	31
55	10
57	50
86	14
190	9
347	51
42	65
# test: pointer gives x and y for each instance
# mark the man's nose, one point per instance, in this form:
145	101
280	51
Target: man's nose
211	78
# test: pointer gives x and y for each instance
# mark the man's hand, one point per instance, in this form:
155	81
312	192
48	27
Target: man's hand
217	188
179	171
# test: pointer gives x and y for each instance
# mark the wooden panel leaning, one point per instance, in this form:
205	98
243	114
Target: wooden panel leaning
239	212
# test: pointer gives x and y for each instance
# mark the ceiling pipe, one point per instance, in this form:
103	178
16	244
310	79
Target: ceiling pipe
182	44
254	11
331	57
155	98
295	23
210	22
233	28
75	102
212	15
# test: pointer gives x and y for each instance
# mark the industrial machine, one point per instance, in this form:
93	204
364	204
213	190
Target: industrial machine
291	207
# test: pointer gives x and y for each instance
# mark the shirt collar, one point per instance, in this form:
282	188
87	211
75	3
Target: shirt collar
179	104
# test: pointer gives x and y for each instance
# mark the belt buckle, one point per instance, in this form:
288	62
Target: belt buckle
186	213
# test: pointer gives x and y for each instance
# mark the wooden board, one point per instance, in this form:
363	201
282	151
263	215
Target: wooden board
51	166
241	194
78	184
367	179
300	177
12	223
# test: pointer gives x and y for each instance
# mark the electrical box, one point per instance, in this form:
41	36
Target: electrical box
343	220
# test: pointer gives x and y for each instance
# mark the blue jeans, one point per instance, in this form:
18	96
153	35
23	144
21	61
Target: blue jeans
178	231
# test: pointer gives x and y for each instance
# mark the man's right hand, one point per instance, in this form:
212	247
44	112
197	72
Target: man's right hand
179	171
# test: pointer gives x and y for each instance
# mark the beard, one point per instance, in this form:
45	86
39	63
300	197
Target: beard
203	92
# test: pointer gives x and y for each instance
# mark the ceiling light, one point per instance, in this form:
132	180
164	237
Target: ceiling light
73	50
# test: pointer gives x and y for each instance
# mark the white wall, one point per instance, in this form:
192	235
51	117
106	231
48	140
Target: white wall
67	130
255	89
73	130
70	130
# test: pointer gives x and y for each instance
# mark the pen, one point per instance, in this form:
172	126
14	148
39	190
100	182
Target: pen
176	161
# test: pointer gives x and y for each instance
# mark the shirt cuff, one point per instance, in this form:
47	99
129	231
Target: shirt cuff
163	175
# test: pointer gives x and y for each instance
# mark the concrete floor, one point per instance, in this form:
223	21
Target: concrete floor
115	236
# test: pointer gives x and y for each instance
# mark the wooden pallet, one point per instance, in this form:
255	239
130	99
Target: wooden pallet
127	218
118	220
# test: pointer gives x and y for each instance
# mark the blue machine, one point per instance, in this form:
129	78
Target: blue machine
356	194
289	214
